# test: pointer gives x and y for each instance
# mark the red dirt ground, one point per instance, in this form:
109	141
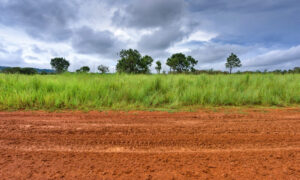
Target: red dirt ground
228	144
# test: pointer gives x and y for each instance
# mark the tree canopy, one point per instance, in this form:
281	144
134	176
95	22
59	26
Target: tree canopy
103	69
180	63
83	69
132	62
60	64
158	66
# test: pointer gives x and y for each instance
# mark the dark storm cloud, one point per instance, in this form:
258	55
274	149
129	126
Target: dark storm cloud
242	27
88	41
38	50
250	21
46	19
161	39
165	18
214	53
150	13
238	5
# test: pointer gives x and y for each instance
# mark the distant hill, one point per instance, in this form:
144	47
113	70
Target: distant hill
37	69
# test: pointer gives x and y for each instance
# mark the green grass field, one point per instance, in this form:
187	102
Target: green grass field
129	92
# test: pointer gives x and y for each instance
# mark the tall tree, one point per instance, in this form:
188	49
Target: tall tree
60	64
180	63
158	66
232	62
132	62
103	69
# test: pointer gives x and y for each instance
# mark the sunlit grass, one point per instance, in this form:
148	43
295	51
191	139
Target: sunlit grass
98	92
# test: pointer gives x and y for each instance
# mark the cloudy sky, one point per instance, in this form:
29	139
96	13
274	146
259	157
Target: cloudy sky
264	34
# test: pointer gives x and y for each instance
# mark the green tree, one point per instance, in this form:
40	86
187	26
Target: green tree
12	70
158	66
103	69
28	71
180	63
232	62
132	62
60	64
44	73
144	64
192	62
83	69
296	70
18	70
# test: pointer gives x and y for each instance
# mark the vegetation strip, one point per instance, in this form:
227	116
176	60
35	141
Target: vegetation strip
129	92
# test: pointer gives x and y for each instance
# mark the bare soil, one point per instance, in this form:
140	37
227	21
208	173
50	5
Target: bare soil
227	144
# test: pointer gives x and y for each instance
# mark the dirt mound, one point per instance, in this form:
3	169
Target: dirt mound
230	143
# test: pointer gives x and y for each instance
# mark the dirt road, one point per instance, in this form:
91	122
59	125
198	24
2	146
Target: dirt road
227	144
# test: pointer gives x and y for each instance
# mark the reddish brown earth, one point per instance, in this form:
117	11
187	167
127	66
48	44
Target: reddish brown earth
228	144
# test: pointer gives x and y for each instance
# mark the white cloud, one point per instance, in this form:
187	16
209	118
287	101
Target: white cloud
276	57
200	36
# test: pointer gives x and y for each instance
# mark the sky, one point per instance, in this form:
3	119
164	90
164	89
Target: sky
264	34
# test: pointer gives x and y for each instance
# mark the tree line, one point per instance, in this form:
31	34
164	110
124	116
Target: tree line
132	62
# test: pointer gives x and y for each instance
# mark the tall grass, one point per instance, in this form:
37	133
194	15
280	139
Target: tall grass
94	91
